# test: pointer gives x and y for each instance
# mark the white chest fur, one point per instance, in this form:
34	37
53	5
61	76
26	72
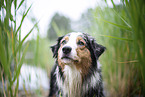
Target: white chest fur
72	86
72	83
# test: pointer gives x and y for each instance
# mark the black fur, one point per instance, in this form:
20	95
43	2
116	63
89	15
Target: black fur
96	50
56	47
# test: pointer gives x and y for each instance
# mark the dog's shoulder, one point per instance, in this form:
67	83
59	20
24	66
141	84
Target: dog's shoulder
53	86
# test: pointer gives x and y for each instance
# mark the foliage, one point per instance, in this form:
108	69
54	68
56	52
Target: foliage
11	54
121	30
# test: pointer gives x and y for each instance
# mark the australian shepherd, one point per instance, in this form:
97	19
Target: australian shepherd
77	72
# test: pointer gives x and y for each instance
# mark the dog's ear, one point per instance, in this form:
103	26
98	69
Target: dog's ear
97	48
55	47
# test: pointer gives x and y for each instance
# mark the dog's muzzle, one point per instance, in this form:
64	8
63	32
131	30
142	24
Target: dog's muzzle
66	50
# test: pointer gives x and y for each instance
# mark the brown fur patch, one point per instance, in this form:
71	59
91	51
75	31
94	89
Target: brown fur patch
85	61
85	58
61	64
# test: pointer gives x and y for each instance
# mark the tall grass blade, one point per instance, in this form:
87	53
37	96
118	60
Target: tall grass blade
17	86
20	4
20	64
3	58
113	3
56	29
117	25
122	19
23	17
3	84
15	4
20	45
117	38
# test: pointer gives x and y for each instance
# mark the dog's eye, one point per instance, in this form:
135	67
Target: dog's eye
63	42
80	43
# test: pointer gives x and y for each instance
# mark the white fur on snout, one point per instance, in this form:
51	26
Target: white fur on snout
72	42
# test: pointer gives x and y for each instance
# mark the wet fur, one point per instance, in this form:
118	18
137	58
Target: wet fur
72	83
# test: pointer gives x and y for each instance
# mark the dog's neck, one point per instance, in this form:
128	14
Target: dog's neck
72	85
72	82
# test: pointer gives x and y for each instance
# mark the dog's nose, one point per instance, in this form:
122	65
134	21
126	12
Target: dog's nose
66	49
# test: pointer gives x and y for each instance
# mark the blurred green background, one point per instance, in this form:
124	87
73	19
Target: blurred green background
120	28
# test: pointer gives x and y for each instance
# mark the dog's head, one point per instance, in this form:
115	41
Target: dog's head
78	49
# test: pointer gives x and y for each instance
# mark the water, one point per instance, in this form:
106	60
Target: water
33	78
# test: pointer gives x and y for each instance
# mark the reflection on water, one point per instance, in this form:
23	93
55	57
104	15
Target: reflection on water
33	78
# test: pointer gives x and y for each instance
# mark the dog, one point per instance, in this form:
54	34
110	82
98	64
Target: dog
77	72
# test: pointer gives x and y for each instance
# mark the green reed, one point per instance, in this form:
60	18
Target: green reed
11	53
121	29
